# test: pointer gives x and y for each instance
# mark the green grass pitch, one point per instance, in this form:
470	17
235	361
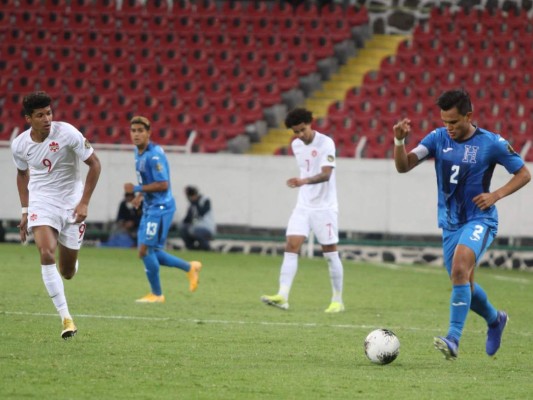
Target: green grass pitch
223	343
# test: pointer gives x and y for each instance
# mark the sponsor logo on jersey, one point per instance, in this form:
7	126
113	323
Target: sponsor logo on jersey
33	217
510	149
447	149
54	147
159	167
87	144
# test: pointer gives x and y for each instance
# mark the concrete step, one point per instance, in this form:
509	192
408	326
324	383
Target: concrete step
349	75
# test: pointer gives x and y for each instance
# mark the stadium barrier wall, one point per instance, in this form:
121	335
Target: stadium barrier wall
250	191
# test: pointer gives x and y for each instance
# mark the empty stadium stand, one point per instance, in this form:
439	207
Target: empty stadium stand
218	67
487	51
212	66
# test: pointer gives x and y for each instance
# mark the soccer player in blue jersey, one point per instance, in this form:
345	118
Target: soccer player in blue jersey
154	191
465	157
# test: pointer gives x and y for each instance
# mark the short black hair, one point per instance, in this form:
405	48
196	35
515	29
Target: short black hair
458	98
34	101
191	191
298	116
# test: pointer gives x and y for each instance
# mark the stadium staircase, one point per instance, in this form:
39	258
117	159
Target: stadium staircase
487	51
349	76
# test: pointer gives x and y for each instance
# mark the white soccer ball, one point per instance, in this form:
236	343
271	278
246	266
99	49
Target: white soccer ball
382	346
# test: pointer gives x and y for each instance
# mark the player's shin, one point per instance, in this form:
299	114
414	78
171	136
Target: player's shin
459	305
54	285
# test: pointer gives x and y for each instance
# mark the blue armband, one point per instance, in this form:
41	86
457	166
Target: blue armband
137	188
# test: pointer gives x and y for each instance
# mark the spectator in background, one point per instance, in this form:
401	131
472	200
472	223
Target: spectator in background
198	226
129	217
124	231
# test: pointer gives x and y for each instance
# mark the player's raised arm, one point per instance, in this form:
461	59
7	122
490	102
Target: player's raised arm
404	162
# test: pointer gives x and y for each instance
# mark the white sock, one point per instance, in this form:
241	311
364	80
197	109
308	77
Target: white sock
54	285
287	273
336	274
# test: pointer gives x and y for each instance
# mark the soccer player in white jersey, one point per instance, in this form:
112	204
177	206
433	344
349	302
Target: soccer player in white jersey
53	197
316	209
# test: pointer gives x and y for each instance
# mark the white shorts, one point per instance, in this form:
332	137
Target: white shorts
324	224
70	234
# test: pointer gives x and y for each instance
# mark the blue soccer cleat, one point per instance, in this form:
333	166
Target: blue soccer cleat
447	346
495	332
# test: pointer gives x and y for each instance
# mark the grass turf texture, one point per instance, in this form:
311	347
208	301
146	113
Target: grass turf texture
223	343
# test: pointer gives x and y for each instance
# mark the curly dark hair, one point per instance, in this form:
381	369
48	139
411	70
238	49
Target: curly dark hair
35	100
458	98
298	116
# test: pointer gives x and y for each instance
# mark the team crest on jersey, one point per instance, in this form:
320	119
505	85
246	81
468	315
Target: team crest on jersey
159	167
54	147
470	154
314	153
331	158
87	144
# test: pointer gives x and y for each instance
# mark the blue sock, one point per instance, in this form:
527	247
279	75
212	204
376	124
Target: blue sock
459	306
481	305
151	267
171	261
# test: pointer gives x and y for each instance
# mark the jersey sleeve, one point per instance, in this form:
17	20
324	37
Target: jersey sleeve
158	166
430	143
80	144
18	159
328	156
506	156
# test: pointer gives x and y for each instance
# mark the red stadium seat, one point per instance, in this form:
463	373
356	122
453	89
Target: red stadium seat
287	78
250	110
132	7
257	10
307	11
356	15
281	10
206	9
182	8
269	94
157	7
231	125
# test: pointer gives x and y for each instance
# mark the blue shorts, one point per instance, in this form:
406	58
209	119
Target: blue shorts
476	235
154	227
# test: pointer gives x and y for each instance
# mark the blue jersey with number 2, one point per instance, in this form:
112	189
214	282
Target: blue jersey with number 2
464	170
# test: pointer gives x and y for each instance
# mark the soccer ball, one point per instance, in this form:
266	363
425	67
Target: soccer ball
382	346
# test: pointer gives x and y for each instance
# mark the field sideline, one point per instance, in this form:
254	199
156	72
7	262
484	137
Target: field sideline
223	343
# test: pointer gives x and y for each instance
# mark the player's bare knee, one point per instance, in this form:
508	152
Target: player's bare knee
66	271
459	275
68	275
47	256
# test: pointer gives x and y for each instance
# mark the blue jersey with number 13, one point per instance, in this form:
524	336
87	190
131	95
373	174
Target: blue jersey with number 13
152	166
